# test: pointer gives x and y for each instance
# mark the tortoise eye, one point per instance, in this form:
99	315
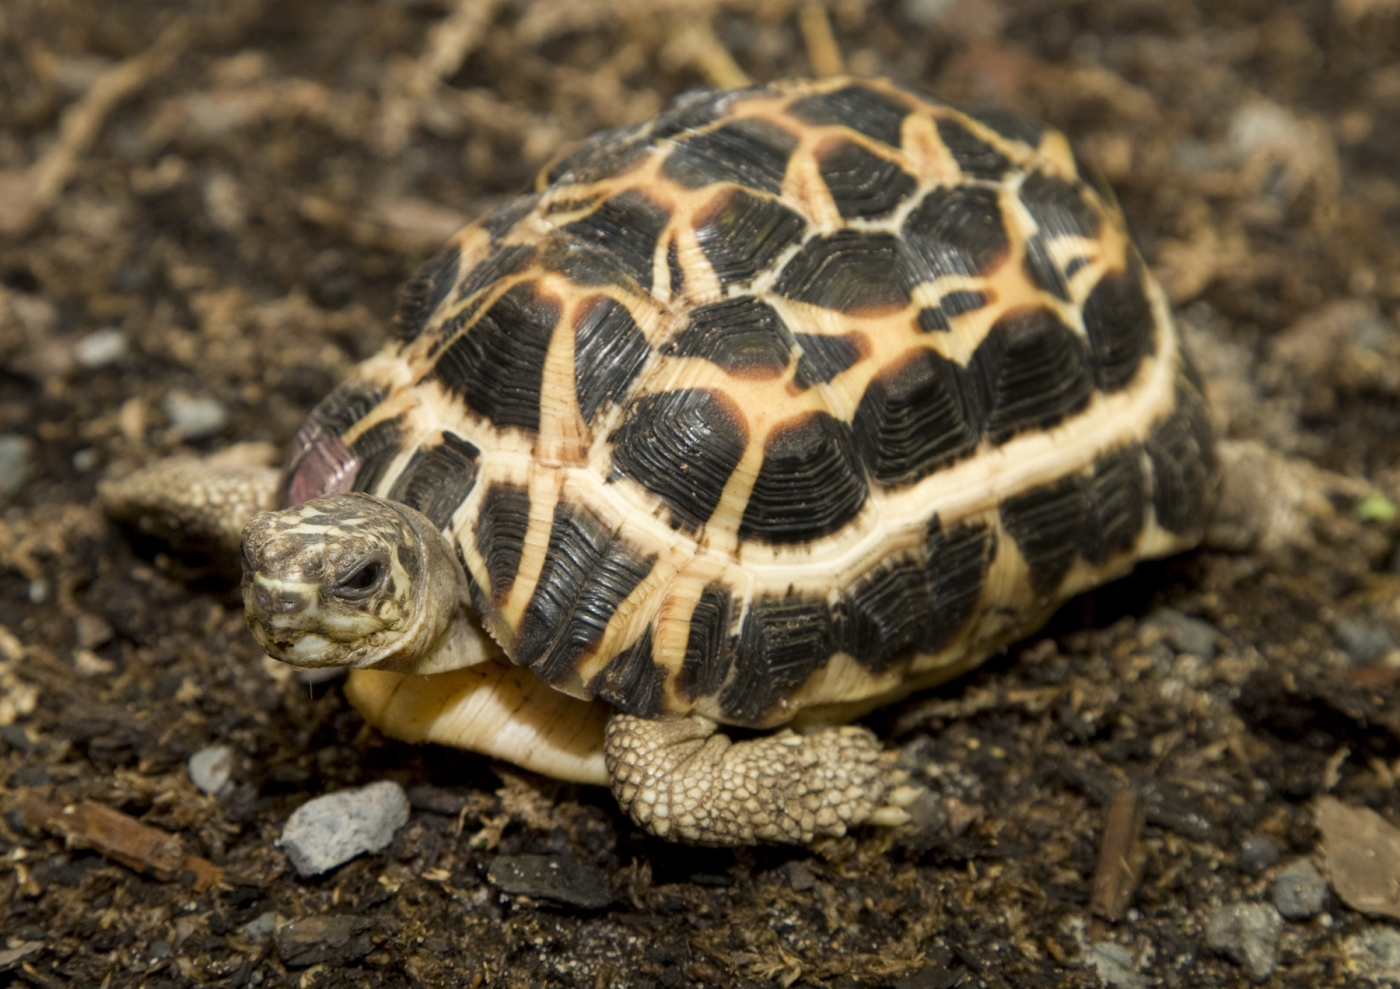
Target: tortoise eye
360	581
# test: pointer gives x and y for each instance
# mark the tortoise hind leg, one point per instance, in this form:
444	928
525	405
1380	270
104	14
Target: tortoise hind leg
681	779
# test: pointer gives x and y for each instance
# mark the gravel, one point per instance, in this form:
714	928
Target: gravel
1300	890
16	463
1257	853
1247	933
211	770
192	417
100	348
329	831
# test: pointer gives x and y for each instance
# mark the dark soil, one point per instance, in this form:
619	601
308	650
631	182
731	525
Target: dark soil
243	213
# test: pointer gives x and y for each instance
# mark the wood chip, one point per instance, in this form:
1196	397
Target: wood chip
1121	856
18	953
120	837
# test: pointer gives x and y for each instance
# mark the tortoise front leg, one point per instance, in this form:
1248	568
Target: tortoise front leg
192	505
683	780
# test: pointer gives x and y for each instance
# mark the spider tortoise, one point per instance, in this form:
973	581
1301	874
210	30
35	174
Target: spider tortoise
767	411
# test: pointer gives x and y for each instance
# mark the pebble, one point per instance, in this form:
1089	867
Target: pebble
1300	890
1186	634
260	927
92	630
329	831
194	418
1257	853
1115	965
1364	639
211	769
799	877
1374	954
100	348
1248	933
16	462
562	878
338	938
926	12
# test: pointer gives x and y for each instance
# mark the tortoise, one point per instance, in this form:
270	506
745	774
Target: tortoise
768	411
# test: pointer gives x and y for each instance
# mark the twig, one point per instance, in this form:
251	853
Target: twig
409	88
697	44
822	50
1121	856
80	124
114	834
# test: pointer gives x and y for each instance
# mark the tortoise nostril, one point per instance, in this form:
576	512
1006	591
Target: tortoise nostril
272	602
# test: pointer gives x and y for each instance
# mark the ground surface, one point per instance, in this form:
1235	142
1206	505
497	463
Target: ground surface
231	213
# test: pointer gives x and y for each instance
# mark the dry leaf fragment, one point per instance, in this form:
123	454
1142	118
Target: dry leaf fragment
1362	856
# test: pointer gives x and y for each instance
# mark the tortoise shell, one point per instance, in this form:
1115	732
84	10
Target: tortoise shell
800	396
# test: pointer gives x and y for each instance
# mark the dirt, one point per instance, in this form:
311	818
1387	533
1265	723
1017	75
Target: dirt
237	189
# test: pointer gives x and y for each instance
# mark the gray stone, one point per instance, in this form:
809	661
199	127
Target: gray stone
257	930
339	939
1374	954
562	878
194	418
329	831
1364	639
211	770
1187	635
1300	890
100	348
1247	933
1257	853
799	877
1115	965
16	463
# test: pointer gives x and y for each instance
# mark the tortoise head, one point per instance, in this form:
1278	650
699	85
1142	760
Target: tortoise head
349	580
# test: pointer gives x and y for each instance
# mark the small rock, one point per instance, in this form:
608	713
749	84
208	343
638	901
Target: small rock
100	348
211	770
799	877
92	630
1186	634
17	738
1299	890
1257	853
1361	854
85	460
562	878
331	830
1364	640
194	418
260	927
338	939
926	12
1248	933
1115	965
1374	954
16	462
